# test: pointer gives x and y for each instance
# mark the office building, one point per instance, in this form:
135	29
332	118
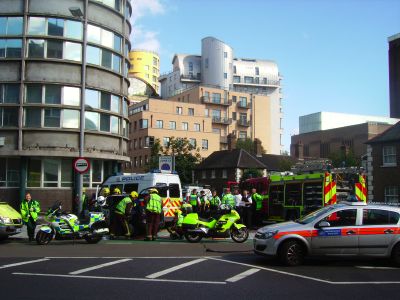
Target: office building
394	75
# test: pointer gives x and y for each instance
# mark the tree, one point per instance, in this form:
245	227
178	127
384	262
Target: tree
186	156
248	145
343	159
251	173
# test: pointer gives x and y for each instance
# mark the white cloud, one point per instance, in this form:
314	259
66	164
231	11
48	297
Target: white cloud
144	7
145	39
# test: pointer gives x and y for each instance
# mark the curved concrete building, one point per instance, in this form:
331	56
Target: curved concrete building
63	87
216	62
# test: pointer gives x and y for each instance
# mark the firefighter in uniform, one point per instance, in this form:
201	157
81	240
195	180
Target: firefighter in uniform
153	214
29	212
228	199
194	201
122	213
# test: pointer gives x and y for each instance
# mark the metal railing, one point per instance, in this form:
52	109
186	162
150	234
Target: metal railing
243	122
221	120
191	77
216	101
243	105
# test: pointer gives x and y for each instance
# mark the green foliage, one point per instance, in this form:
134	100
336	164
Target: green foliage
185	154
251	173
285	164
248	145
341	159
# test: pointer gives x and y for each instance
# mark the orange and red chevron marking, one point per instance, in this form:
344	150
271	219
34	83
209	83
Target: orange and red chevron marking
172	204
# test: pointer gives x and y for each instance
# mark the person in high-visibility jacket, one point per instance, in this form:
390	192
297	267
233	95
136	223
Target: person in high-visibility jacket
153	214
122	213
215	201
228	198
29	212
257	200
194	201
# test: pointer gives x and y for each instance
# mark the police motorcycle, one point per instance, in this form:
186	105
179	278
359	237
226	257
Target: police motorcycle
223	224
175	227
63	226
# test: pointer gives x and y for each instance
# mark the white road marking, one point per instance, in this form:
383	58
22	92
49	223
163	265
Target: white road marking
132	257
23	263
307	277
100	266
376	268
161	273
119	278
242	275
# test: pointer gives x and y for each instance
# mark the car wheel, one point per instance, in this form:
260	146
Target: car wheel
396	255
291	253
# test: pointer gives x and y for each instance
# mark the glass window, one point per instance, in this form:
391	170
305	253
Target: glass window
257	71
37	26
225	75
33	117
3	47
172	125
93	34
117	43
380	217
104	122
73	29
144	123
224	173
116	63
115	100
216	97
185	126
71	118
71	96
91	98
106	58
166	141
391	194
114	125
91	120
11	93
192	142
107	38
14	48
66	173
52	117
96	171
191	111
36	48
52	94
248	79
10	117
3	25
55	27
50	172
204	144
179	110
236	79
93	55
14	26
159	124
389	155
73	51
105	101
33	173
13	171
196	127
125	107
54	49
346	217
242	135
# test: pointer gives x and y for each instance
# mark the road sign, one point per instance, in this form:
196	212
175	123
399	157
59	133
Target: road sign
81	165
165	164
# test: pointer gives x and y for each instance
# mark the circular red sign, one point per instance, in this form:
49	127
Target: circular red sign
81	165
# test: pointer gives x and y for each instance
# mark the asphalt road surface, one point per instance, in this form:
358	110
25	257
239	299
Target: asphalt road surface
179	270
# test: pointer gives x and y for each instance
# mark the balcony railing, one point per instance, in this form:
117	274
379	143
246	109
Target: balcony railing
223	140
221	120
191	77
243	122
244	105
216	101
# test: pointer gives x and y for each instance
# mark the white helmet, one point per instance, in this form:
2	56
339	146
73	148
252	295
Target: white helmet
101	201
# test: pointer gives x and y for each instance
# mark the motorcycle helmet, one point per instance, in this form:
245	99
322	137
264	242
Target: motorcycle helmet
101	201
134	194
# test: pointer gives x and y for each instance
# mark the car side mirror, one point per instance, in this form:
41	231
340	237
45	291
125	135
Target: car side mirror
323	224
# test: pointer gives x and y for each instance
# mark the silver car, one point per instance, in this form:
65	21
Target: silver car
340	229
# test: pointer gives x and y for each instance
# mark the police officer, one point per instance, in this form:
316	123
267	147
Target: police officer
228	198
29	212
85	204
122	214
256	206
194	200
215	201
153	214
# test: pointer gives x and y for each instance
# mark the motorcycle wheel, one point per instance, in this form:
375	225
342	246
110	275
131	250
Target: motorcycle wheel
43	238
193	237
239	235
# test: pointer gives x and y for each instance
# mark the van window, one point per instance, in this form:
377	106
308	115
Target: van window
174	191
131	187
162	191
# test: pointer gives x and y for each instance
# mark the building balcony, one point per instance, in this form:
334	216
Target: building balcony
208	100
221	120
244	105
223	140
191	77
261	82
243	122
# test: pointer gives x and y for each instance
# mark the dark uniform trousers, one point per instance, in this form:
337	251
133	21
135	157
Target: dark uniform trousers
152	223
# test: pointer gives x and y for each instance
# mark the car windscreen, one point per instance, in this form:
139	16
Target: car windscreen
315	215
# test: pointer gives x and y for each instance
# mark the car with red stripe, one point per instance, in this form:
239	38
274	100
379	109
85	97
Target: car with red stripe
345	229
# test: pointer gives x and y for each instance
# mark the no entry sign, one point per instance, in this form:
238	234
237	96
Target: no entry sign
81	165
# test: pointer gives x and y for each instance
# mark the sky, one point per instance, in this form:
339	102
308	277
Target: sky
332	54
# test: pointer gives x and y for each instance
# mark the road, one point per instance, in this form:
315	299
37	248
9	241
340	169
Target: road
179	270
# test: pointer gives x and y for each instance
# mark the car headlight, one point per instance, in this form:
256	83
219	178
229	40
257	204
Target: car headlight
265	235
5	220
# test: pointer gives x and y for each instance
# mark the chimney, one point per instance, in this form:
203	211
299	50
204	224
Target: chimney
257	147
298	150
231	141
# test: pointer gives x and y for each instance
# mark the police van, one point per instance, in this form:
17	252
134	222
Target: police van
128	182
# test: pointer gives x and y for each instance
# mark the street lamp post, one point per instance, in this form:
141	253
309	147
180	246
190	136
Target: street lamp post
77	12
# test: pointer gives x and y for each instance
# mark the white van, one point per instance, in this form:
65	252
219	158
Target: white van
128	182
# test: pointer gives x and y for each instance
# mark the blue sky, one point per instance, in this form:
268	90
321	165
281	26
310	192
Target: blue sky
332	54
